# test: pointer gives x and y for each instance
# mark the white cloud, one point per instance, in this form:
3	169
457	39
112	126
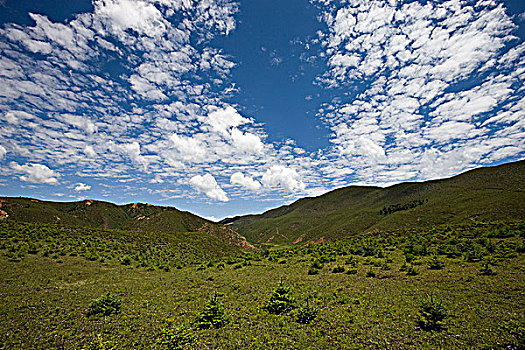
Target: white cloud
287	178
89	151
3	152
221	120
207	184
189	149
80	122
140	16
246	182
247	142
132	150
36	173
433	78
82	187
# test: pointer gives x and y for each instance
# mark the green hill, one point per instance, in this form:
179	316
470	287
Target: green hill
103	215
490	193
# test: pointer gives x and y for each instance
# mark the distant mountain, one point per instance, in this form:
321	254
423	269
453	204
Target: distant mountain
103	215
489	193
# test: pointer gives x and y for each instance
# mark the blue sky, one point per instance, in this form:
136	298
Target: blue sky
226	107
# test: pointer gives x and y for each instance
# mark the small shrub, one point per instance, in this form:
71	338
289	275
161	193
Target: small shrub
352	261
281	300
486	270
338	269
126	261
313	271
106	305
316	264
307	313
412	271
177	338
431	313
435	263
351	271
370	273
213	315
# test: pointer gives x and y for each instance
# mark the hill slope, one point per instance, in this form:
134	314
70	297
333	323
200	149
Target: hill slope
490	193
103	215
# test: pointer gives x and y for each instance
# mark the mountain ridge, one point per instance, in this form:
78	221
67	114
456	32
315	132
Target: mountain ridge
486	193
140	217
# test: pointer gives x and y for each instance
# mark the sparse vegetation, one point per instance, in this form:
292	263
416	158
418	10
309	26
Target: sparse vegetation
177	338
281	300
213	314
106	305
431	313
45	302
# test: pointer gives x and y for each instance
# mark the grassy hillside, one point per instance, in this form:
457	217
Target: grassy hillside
149	250
378	290
490	193
96	214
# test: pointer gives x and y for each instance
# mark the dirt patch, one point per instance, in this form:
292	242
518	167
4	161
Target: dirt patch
299	240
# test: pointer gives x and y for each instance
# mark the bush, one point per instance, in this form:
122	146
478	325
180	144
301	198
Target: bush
307	313
412	271
126	261
431	313
213	315
338	269
435	263
106	305
317	264
313	271
351	271
177	338
281	300
370	273
352	261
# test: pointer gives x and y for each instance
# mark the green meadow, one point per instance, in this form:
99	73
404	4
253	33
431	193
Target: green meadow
446	286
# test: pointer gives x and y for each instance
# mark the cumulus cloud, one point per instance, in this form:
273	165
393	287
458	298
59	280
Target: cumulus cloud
189	149
287	178
3	152
82	187
246	142
222	120
207	185
246	182
140	16
36	173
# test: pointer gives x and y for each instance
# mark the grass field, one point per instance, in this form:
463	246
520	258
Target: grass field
372	302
